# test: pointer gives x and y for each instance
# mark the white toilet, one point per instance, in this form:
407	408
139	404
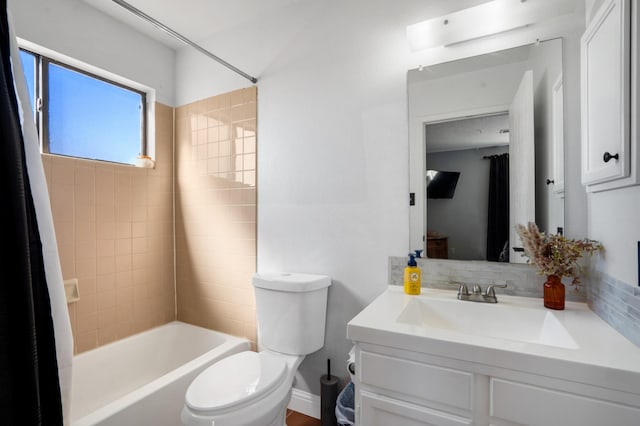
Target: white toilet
254	388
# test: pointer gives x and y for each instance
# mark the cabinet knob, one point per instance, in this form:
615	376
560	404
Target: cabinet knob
550	181
607	157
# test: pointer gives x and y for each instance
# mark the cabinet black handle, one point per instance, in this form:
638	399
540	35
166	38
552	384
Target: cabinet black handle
607	157
550	181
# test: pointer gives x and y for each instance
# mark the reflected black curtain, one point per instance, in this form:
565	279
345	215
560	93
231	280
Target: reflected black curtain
29	386
498	221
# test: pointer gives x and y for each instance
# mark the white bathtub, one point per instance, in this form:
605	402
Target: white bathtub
142	380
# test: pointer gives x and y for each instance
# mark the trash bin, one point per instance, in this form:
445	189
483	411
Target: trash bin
345	412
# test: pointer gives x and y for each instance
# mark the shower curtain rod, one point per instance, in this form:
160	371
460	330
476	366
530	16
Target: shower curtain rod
182	38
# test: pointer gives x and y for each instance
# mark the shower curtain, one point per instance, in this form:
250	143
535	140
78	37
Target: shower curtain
36	346
498	214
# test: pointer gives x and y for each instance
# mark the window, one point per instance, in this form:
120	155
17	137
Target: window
82	115
29	68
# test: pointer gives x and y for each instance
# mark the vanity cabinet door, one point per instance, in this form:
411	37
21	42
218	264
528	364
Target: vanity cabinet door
427	384
520	403
391	390
377	410
606	94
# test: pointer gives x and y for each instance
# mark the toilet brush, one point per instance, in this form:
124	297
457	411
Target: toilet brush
328	397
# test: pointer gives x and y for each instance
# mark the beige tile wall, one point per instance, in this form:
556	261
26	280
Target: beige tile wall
114	227
216	212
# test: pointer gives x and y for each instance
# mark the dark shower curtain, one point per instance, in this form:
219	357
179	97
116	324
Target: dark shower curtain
498	221
29	386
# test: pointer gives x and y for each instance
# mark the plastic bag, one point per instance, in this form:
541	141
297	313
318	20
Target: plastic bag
345	413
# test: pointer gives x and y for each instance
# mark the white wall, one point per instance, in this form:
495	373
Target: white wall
74	29
332	139
613	217
332	160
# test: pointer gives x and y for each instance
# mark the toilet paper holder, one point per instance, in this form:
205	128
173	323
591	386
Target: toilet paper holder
351	363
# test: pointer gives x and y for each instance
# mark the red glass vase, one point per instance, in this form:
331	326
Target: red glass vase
554	293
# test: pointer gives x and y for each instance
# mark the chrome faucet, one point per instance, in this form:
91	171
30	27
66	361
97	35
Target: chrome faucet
477	295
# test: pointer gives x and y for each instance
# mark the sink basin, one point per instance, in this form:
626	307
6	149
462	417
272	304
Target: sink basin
514	323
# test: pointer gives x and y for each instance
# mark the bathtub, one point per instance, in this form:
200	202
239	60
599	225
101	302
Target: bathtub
142	380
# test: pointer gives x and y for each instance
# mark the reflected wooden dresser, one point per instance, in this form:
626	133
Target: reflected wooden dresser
438	247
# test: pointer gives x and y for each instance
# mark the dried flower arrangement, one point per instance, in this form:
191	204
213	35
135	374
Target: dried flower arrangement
555	254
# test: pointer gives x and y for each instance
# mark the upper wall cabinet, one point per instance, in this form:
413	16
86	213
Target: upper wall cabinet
609	58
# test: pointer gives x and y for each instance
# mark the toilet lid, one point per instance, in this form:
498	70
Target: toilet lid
234	380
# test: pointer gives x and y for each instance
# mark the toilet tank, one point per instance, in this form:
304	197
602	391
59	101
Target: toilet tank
291	310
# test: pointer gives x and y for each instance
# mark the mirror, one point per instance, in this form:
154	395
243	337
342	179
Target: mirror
486	151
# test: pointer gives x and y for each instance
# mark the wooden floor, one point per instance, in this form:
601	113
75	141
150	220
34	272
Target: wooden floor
299	419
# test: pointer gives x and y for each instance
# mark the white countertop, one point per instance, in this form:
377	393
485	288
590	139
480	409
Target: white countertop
600	356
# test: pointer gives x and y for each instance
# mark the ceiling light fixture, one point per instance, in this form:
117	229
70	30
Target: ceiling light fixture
487	19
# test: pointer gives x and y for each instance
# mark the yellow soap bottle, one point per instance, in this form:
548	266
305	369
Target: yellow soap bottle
412	276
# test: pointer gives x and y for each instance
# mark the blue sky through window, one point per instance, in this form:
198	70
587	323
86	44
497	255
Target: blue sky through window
87	117
29	68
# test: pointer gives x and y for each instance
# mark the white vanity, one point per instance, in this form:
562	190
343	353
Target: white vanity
435	360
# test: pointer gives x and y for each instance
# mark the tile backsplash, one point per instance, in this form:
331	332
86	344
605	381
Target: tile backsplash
521	279
616	302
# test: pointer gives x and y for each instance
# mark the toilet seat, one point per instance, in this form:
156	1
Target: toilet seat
235	380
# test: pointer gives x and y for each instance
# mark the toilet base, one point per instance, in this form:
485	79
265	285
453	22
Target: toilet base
270	411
